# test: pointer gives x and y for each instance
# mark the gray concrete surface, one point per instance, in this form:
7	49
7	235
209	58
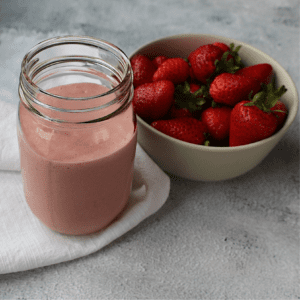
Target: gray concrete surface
237	239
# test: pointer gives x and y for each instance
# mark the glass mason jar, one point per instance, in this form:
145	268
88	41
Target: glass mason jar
77	132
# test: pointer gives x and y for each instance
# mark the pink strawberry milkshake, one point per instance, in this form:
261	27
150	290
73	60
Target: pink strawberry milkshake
77	179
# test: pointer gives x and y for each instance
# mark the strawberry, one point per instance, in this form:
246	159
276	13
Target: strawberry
143	69
223	46
230	61
280	111
217	121
194	87
250	124
177	112
203	59
158	60
252	121
152	101
230	89
225	49
191	74
188	130
261	72
173	69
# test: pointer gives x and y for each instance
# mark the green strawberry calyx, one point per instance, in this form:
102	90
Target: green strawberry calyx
192	101
267	97
234	52
227	66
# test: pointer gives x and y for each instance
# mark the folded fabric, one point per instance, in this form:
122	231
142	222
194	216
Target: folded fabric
25	243
9	152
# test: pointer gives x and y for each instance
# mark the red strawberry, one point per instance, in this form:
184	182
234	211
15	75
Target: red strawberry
230	89
252	121
250	124
152	101
280	111
194	87
191	74
217	121
223	46
143	69
261	72
233	53
158	60
185	129
176	112
173	69
203	60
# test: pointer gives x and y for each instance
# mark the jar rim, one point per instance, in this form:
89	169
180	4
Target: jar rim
73	39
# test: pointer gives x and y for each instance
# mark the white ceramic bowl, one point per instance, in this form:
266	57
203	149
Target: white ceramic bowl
197	162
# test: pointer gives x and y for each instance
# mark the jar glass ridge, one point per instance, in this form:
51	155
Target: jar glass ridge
72	59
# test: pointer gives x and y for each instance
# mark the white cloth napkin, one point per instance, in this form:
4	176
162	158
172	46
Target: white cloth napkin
25	243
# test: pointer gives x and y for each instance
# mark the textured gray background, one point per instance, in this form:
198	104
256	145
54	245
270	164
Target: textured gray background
237	239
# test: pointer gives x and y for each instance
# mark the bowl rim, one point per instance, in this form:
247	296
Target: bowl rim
291	114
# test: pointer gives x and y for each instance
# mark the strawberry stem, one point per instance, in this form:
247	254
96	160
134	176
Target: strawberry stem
267	97
227	66
184	98
236	57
